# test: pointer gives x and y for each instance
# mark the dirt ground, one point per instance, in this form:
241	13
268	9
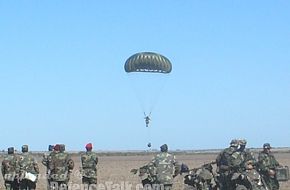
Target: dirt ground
114	171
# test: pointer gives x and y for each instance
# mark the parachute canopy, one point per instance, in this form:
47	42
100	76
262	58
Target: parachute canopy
148	62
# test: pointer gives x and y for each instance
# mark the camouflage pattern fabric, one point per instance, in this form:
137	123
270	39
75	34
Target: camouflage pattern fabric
9	171
60	166
267	163
89	165
165	167
225	161
27	164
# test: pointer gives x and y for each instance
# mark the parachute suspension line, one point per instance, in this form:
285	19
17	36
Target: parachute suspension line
158	93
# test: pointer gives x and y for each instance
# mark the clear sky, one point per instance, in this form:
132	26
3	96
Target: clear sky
62	78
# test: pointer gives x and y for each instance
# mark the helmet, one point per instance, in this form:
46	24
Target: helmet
61	147
11	150
24	148
234	143
267	146
164	148
243	142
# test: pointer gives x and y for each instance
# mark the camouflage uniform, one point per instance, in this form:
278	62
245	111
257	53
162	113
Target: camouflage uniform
27	164
267	165
246	155
45	161
60	166
10	170
89	167
166	168
226	161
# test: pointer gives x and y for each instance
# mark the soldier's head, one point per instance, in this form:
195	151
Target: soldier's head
234	143
24	148
242	143
164	148
61	147
50	147
267	147
89	147
11	150
56	147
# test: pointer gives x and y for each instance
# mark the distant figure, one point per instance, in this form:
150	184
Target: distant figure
28	170
45	162
267	164
149	145
147	120
60	166
166	168
9	170
89	162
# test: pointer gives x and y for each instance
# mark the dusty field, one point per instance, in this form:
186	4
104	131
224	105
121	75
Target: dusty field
116	169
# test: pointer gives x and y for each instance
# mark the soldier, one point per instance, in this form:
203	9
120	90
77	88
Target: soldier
267	164
166	168
10	170
28	170
89	167
225	163
246	155
45	162
147	120
60	166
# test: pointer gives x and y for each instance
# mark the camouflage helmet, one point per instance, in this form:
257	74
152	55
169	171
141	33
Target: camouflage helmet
164	148
61	147
267	146
234	143
11	150
243	142
24	148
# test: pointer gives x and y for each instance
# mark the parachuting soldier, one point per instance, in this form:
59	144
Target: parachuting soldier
166	168
45	162
267	164
225	163
28	170
89	161
60	166
10	170
147	120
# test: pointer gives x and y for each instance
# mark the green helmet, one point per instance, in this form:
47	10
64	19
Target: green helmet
62	147
243	142
234	143
24	148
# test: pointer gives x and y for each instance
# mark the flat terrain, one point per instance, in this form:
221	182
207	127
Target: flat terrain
115	169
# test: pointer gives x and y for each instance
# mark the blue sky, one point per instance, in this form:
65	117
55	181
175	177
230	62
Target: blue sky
62	78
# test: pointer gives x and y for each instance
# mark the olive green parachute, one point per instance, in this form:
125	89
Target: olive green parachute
148	62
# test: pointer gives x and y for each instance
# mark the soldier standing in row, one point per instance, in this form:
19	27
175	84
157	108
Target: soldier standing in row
10	170
45	162
89	167
166	168
28	170
267	164
60	166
